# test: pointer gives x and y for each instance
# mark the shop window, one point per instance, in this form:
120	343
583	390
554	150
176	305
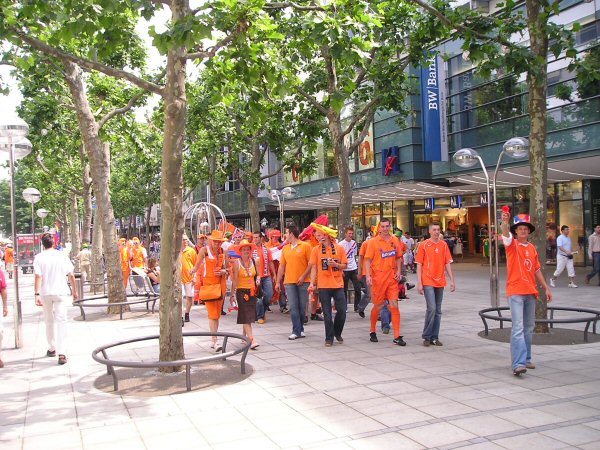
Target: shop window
401	215
570	191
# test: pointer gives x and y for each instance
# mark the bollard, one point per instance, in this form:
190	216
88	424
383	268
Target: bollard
79	282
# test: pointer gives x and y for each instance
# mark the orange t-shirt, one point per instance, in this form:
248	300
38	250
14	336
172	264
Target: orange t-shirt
9	256
433	257
246	276
328	277
296	260
188	261
138	256
384	255
522	263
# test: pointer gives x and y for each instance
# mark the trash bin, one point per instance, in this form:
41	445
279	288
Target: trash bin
79	282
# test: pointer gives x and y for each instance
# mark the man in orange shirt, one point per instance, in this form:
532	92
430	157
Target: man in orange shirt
523	270
433	261
139	256
188	261
9	260
124	253
383	260
266	270
294	261
327	262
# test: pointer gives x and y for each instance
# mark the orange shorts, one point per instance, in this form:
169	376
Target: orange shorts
213	308
385	287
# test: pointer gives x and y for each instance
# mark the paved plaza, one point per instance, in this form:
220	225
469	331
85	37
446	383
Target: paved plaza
358	395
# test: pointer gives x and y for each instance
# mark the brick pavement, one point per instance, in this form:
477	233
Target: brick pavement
358	395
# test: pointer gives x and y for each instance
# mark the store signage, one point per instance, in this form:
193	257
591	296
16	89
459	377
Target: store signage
429	204
456	201
483	199
433	110
389	161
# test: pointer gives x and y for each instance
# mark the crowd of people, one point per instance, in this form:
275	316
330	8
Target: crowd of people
308	273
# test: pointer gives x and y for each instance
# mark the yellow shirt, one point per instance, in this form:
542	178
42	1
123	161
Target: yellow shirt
188	261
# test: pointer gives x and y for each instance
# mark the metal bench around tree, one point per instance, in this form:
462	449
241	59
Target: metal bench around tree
223	355
135	299
592	317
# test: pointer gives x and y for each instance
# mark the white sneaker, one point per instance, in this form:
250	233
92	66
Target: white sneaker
572	285
212	344
302	334
552	283
292	337
218	347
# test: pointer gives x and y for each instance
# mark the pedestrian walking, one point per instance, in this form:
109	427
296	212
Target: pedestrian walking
9	260
433	263
85	262
564	257
351	271
327	263
266	270
383	261
213	289
594	254
139	256
244	288
523	275
294	261
4	294
51	268
125	260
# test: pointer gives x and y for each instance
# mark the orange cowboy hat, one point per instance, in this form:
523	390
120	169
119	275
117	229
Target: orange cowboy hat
245	243
216	235
274	233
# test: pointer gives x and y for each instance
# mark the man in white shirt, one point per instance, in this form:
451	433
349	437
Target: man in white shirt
51	269
85	262
594	254
564	257
351	271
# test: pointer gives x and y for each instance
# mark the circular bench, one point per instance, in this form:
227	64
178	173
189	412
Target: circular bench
135	299
223	355
591	317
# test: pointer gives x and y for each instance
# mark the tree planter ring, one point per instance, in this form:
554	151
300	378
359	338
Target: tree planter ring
135	299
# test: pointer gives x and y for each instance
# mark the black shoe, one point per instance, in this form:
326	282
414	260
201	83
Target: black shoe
269	309
399	341
436	342
305	320
402	297
373	337
340	339
409	286
187	317
182	323
51	353
223	313
361	314
316	317
196	302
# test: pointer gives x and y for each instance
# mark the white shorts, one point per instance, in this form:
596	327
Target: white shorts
188	289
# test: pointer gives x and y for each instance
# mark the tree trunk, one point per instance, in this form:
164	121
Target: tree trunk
87	198
75	236
99	157
537	83
253	207
212	185
343	167
175	105
97	272
65	234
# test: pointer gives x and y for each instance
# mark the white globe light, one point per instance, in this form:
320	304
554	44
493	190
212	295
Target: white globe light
21	149
466	158
42	213
289	192
32	195
13	127
517	147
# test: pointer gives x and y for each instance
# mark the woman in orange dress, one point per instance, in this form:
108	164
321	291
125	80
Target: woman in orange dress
244	289
125	267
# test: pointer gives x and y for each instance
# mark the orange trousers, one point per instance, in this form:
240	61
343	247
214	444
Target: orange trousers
395	317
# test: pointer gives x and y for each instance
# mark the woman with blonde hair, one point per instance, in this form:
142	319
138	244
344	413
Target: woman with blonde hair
244	289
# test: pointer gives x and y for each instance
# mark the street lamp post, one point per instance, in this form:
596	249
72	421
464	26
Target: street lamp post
15	130
42	214
32	195
517	148
280	196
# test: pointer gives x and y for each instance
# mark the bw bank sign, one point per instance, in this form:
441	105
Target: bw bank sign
433	110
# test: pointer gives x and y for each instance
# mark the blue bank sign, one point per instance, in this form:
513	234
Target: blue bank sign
433	110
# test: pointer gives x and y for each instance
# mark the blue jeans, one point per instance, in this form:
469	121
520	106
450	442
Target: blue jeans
385	315
596	266
433	314
266	286
333	327
297	300
522	312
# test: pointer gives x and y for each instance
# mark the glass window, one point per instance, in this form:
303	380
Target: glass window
570	191
571	214
401	215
